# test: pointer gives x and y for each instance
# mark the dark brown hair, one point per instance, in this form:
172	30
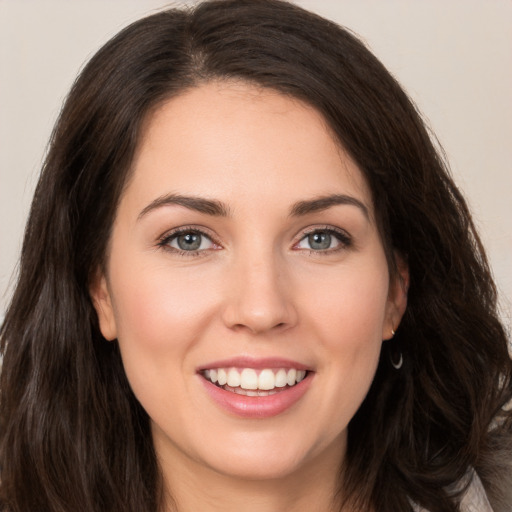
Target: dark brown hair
73	436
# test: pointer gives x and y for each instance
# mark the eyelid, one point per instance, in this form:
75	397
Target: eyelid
342	235
164	239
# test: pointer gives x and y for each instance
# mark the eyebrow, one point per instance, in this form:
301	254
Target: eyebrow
199	204
324	202
217	208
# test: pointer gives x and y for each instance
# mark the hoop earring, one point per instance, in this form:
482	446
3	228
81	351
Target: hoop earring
396	364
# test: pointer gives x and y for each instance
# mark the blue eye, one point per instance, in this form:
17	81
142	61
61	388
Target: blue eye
324	240
188	241
320	241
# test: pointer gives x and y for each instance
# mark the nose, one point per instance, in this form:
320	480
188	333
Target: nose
259	296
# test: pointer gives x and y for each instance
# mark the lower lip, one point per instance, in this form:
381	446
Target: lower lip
257	406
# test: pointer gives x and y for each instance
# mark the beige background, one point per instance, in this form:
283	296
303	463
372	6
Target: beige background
454	58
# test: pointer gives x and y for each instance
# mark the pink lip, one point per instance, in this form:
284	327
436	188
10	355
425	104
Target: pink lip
257	406
257	364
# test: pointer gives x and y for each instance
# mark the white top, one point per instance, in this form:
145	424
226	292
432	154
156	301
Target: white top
474	500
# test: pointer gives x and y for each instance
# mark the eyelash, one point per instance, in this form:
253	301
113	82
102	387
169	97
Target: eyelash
342	236
167	238
164	241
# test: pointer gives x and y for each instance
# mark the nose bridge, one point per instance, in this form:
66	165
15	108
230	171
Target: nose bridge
259	297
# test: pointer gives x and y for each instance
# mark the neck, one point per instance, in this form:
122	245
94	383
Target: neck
308	489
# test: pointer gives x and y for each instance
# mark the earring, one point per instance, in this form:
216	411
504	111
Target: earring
397	364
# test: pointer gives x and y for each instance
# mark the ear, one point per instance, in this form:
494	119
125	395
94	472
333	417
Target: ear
102	301
397	298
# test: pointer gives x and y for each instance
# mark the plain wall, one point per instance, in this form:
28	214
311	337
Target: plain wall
452	57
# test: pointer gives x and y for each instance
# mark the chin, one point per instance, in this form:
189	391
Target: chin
271	457
258	468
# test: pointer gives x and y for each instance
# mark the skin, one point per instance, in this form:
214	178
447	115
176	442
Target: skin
257	289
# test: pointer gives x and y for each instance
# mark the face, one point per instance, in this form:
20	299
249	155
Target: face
246	283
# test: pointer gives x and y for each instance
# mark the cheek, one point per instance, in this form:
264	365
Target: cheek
347	323
160	318
350	309
155	307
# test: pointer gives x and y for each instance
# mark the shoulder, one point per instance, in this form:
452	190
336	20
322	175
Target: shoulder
473	500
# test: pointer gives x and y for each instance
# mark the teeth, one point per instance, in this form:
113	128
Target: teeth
266	380
249	379
233	378
222	377
249	382
281	379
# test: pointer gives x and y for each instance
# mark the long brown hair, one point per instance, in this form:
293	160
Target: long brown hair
73	436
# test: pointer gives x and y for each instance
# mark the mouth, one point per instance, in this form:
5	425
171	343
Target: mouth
254	382
256	388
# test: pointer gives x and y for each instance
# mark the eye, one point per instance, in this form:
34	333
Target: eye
324	240
189	240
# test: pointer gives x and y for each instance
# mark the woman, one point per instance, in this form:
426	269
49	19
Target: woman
248	282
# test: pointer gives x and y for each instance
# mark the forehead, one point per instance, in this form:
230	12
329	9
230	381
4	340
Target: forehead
236	141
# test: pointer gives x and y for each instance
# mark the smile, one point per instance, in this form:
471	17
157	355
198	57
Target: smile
252	382
256	388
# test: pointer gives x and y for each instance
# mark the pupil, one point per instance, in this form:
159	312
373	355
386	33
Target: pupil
319	240
189	241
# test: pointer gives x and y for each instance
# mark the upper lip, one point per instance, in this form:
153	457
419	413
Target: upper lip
256	363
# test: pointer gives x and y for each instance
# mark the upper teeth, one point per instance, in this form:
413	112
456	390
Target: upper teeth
248	378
